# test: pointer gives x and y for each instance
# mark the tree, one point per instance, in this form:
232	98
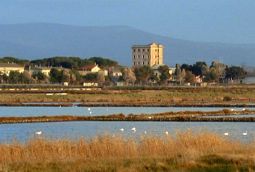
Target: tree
39	76
164	71
73	62
189	77
19	78
101	77
178	72
182	76
186	67
129	76
13	60
91	77
235	73
58	76
26	78
143	74
103	62
14	77
212	75
75	77
3	78
199	69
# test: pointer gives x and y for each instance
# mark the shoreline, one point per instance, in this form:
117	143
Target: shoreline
224	115
71	104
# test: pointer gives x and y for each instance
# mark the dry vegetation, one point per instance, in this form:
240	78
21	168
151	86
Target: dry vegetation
224	115
169	96
185	152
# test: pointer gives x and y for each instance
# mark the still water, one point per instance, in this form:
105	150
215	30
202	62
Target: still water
49	111
74	130
88	129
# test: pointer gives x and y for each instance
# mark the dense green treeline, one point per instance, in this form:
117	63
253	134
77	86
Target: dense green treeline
65	62
73	62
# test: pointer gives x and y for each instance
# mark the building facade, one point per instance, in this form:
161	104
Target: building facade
44	70
147	55
6	68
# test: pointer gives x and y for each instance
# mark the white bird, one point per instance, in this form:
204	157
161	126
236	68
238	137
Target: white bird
149	117
122	129
145	132
226	134
90	112
38	132
88	109
244	109
232	110
245	133
166	133
133	129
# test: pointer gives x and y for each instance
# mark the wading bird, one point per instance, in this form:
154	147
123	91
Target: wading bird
245	133
38	132
226	134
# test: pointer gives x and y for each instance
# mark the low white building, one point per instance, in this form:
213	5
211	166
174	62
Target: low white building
6	68
92	69
44	70
90	84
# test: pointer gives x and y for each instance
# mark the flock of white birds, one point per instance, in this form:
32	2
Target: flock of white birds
145	132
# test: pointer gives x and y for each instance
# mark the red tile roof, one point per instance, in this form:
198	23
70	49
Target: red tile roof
88	67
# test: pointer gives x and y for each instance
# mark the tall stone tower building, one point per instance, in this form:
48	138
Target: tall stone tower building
147	55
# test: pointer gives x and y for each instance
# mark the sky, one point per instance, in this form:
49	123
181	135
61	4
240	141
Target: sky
226	21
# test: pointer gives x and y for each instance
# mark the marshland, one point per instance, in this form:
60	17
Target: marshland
186	151
170	129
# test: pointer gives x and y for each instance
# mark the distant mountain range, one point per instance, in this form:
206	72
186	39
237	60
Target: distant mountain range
39	40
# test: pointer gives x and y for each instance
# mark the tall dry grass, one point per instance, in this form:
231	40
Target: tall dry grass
182	150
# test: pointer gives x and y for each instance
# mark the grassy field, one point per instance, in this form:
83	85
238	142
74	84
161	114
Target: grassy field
185	152
170	96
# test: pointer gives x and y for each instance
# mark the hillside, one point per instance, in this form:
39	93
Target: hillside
39	40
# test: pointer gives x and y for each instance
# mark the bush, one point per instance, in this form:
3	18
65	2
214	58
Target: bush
227	98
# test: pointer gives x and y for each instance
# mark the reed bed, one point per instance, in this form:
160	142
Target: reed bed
185	151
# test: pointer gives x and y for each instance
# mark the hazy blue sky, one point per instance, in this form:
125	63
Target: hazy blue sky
200	20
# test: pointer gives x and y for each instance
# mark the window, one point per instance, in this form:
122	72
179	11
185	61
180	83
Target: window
143	50
143	56
134	50
143	63
138	50
134	63
134	56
